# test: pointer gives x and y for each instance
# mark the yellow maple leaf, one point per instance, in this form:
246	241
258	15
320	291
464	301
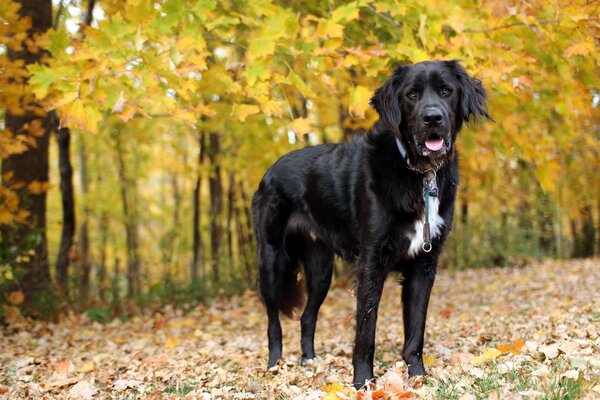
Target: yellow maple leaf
359	101
489	354
301	125
243	111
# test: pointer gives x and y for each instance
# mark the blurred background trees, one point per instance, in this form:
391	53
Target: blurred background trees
155	120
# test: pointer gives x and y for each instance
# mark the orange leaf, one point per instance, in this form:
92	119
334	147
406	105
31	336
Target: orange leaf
515	348
63	366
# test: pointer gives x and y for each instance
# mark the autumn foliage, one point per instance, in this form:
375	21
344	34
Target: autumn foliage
176	108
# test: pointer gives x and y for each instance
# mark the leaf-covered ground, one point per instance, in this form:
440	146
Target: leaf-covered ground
506	333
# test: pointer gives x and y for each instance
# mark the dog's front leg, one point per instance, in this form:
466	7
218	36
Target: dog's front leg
369	287
418	281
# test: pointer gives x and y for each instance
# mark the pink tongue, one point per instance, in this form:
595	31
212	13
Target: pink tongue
434	144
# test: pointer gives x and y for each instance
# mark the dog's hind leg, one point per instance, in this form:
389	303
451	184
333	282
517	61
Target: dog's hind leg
318	267
269	281
278	272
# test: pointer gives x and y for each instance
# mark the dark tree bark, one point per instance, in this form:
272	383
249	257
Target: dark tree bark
131	224
31	165
243	239
216	203
197	261
229	220
588	232
68	208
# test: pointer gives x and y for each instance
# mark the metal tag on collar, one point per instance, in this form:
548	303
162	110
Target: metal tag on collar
430	183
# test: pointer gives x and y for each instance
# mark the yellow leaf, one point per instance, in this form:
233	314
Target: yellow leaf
488	355
301	125
335	391
330	29
359	101
128	112
546	176
16	298
429	361
242	111
172	341
76	115
37	187
272	107
86	367
582	48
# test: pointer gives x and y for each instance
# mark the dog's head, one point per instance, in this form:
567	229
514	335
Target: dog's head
425	105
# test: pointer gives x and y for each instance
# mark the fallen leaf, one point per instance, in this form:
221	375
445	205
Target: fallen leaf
461	358
172	341
446	313
429	361
162	359
83	390
515	348
64	367
124	384
86	367
489	354
59	383
550	351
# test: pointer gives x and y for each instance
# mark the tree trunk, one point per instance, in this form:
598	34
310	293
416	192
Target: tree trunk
101	278
243	238
588	232
30	166
85	259
131	228
197	261
216	204
229	219
85	262
68	208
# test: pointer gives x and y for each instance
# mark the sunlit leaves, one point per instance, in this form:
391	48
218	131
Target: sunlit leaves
359	101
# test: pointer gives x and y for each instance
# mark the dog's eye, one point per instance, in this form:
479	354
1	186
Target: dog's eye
412	94
445	91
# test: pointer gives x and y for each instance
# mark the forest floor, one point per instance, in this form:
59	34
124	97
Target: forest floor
502	333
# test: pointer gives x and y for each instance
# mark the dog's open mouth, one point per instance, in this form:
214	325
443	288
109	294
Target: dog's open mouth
434	143
433	146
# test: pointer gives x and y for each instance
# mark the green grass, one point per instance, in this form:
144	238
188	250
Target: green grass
517	380
179	390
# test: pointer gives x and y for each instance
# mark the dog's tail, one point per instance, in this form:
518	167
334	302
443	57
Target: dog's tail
291	295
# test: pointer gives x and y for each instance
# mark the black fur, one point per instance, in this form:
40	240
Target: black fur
360	200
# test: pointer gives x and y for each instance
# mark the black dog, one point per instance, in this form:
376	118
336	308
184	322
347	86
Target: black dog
384	202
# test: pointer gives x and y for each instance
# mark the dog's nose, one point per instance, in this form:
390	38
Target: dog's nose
432	117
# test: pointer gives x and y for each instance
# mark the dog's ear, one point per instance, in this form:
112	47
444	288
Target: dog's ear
385	101
473	96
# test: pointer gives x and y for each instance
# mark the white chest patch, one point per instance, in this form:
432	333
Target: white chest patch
435	225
